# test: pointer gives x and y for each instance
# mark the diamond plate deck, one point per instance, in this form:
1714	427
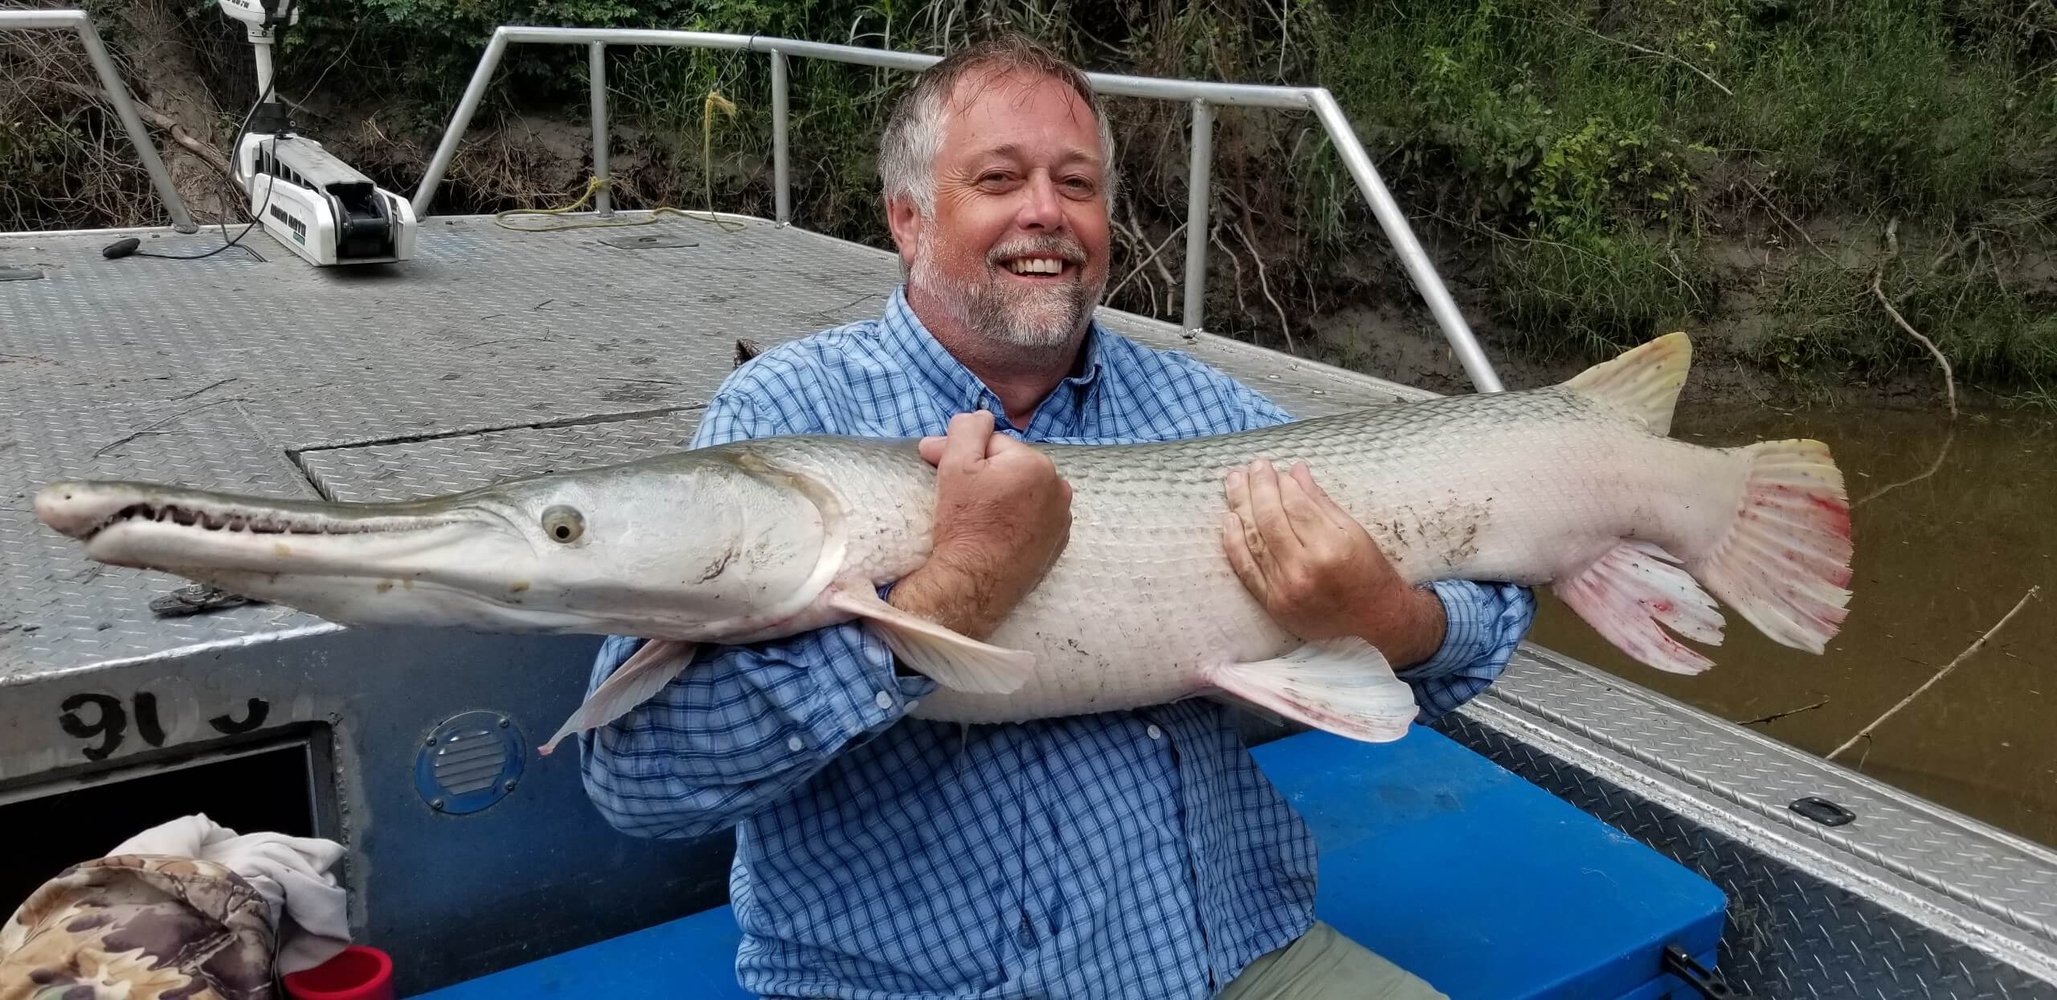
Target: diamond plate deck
1963	859
410	470
1791	932
1907	900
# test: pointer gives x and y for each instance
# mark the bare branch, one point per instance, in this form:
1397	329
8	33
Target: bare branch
1768	203
1878	274
1952	665
155	119
1941	453
1264	282
1775	716
1704	75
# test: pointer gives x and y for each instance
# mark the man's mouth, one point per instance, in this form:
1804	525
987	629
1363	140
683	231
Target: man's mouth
1038	268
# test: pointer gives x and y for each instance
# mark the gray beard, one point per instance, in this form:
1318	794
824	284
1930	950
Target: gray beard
1045	320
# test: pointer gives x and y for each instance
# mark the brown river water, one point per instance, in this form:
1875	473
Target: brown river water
1939	561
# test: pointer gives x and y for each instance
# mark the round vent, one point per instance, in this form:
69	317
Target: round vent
469	762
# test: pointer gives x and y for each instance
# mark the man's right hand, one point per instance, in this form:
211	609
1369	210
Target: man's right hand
1002	517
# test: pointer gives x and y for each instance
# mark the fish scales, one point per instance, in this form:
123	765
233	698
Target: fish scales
1142	604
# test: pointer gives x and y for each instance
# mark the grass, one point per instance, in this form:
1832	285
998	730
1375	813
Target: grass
1590	174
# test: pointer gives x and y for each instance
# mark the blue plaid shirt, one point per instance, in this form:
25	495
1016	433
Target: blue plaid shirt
1127	854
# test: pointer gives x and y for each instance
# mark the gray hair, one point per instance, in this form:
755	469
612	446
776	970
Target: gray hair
914	133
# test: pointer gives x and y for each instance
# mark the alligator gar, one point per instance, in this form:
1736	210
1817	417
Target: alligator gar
1576	486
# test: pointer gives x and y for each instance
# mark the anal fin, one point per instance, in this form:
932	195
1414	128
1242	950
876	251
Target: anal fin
1625	594
954	660
631	684
1344	686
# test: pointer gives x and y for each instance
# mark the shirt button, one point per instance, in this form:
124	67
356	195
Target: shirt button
1155	733
884	700
796	744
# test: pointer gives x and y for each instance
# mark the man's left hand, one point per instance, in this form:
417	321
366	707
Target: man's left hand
1317	571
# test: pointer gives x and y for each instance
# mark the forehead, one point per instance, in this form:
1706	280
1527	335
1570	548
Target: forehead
1017	111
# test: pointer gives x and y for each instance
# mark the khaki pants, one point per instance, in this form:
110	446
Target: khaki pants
1325	965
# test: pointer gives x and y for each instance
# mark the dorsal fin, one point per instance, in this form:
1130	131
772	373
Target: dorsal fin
1643	382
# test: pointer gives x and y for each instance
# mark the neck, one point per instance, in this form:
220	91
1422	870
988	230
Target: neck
1021	376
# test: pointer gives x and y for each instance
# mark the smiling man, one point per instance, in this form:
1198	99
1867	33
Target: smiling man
1126	854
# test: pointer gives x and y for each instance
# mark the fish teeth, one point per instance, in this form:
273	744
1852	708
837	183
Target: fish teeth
232	521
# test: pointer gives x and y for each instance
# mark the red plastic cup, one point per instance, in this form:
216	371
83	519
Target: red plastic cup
359	972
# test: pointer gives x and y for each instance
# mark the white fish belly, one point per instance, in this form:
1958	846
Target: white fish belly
1529	489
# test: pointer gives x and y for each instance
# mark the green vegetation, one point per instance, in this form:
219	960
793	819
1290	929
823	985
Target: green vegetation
1587	174
1641	166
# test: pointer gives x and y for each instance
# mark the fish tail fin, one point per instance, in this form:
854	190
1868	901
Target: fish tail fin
1643	381
1632	589
1344	686
631	684
1785	563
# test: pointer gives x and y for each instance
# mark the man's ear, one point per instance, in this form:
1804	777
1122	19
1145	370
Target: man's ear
904	219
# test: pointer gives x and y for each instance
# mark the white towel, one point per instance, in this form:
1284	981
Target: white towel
291	873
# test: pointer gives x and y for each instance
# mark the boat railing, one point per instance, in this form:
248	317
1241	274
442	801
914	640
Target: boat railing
117	95
1203	97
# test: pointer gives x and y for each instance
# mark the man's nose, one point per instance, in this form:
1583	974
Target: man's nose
1040	206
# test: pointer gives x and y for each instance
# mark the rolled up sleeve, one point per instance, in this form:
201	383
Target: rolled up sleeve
1484	624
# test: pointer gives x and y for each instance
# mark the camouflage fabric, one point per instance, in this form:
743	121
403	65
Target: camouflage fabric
139	927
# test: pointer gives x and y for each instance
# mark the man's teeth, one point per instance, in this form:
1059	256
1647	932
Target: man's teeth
1036	265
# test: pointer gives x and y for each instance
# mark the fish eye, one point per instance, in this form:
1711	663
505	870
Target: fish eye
564	524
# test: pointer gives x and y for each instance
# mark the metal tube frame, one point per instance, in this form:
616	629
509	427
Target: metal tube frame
781	154
1205	96
596	62
117	95
1199	171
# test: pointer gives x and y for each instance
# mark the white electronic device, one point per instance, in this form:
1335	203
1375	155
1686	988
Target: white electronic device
310	201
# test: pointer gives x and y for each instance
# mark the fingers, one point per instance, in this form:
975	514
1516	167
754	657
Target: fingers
998	445
1243	517
1308	520
1281	521
1322	501
1267	505
1236	545
967	441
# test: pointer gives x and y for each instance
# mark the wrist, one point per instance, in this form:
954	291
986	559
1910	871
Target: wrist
1408	626
939	592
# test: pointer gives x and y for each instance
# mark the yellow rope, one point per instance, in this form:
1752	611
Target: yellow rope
593	185
714	102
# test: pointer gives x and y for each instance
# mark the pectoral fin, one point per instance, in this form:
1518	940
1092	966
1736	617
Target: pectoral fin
953	660
631	684
1627	593
1344	686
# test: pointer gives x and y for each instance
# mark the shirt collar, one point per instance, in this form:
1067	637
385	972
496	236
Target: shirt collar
950	382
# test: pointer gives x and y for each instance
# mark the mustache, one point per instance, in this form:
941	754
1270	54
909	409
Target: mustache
1061	248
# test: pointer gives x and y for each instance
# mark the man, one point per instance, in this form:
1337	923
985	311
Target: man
1127	854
